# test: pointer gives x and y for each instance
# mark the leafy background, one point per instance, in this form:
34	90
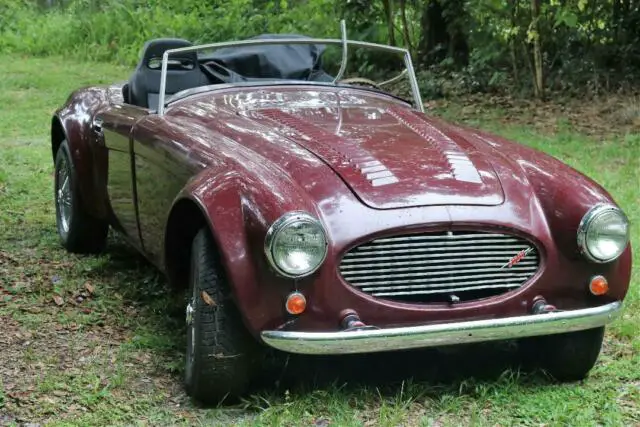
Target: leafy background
524	47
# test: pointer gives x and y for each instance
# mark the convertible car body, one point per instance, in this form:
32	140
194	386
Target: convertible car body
311	215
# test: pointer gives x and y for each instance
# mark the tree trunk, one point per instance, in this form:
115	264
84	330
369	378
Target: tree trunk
537	50
513	42
434	38
514	62
617	20
405	25
388	13
442	33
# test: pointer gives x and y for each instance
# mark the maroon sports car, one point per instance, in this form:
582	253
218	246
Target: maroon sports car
317	214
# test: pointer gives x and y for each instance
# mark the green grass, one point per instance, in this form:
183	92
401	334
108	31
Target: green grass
114	356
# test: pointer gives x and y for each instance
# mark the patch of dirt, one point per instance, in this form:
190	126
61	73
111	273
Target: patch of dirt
613	115
65	352
37	365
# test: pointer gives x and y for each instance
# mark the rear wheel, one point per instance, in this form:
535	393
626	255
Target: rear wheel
78	231
220	352
566	357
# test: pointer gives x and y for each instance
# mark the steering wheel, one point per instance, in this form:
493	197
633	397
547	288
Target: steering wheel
360	81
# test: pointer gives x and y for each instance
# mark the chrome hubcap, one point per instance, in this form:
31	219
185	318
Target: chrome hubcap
189	314
63	196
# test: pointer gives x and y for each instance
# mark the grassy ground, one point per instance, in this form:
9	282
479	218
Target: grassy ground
88	341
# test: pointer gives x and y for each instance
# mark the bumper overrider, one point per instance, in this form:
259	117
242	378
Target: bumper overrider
441	334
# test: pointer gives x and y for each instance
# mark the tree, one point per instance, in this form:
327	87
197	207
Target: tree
387	5
534	35
443	35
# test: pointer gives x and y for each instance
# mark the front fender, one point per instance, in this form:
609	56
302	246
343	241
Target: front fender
565	195
239	207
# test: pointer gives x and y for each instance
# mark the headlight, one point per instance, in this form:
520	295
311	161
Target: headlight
603	233
296	244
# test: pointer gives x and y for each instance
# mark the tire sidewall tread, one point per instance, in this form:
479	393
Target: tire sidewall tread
223	351
565	357
86	234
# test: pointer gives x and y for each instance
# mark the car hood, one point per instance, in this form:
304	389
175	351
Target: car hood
390	157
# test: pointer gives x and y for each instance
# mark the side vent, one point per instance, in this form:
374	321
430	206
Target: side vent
375	172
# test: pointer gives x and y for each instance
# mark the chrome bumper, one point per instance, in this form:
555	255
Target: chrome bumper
441	334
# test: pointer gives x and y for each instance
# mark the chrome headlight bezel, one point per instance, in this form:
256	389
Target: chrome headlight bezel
587	221
281	224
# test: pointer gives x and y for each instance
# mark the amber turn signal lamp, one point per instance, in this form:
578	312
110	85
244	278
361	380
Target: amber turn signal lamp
296	303
598	285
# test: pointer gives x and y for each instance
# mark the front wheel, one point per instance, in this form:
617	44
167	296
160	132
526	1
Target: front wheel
566	357
78	231
220	352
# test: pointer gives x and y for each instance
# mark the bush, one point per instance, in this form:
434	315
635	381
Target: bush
115	30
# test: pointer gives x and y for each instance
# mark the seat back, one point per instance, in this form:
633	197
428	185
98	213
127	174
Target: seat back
183	72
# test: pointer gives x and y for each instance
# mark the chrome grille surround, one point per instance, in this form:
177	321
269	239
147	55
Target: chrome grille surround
441	266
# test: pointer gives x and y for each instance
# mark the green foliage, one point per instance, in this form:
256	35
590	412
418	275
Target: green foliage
115	30
476	45
586	43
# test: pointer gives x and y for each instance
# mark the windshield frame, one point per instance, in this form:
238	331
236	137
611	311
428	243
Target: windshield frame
183	94
413	82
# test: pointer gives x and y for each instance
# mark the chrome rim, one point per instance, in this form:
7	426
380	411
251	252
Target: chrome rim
190	312
63	196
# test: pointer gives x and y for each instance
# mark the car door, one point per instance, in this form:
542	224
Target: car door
115	124
162	168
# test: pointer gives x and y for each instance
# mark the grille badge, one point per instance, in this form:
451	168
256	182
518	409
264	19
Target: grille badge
518	257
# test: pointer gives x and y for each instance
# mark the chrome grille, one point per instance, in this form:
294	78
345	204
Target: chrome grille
443	266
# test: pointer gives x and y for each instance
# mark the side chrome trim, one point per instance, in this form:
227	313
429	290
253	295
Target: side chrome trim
442	334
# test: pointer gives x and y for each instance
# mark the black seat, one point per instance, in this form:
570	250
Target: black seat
183	72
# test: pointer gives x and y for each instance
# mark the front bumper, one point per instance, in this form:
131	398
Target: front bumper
367	341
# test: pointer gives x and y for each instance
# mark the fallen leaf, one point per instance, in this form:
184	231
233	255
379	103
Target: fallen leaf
58	300
89	287
207	299
8	257
19	395
32	310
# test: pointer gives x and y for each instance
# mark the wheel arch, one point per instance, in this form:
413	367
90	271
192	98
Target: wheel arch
238	207
58	134
72	122
185	220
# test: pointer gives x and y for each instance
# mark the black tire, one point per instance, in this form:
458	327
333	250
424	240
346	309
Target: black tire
566	357
221	354
78	231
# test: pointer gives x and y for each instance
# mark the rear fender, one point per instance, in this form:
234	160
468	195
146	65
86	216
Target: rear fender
73	123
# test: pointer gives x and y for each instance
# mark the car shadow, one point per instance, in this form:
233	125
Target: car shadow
445	367
142	286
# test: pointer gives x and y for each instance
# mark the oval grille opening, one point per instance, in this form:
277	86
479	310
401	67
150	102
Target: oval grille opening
440	267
